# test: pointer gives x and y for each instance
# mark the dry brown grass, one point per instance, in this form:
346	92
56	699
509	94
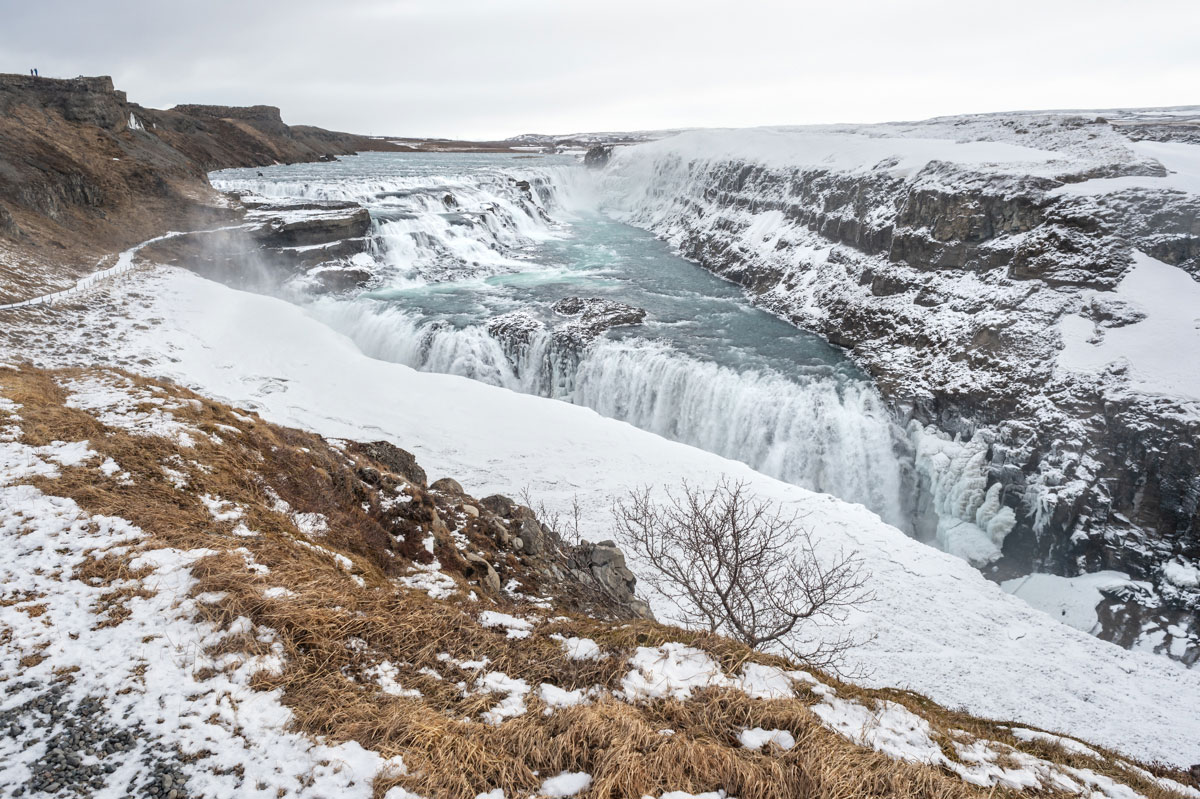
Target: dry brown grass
449	752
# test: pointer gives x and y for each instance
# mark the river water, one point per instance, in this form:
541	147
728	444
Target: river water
461	243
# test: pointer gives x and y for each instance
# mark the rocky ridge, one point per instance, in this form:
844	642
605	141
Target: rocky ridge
84	172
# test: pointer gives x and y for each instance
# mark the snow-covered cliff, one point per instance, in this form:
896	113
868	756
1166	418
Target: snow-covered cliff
1023	287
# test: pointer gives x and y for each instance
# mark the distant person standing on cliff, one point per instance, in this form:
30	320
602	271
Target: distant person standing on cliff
36	74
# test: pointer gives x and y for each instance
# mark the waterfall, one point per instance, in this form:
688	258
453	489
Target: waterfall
429	228
459	242
821	432
450	248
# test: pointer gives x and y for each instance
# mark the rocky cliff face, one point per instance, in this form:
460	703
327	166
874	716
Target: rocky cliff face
70	167
219	137
511	543
85	172
948	275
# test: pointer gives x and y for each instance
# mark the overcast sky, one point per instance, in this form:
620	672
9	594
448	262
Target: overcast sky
480	68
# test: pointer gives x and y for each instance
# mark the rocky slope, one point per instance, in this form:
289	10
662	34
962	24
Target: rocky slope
947	257
84	172
197	603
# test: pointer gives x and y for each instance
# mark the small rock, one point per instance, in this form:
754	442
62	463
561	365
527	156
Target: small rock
391	457
447	485
533	540
483	570
499	505
598	156
522	512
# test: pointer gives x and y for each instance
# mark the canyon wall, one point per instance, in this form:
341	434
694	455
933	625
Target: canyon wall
947	257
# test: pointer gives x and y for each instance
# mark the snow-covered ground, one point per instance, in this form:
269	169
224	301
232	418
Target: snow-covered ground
1164	303
1181	160
936	626
843	149
1071	599
1004	144
139	701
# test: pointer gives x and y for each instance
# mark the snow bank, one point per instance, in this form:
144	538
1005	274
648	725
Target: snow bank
515	627
1181	160
122	405
1150	349
891	728
1072	599
938	626
568	783
581	648
670	671
1181	574
756	738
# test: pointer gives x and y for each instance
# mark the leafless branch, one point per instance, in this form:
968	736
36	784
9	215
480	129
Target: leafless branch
567	525
733	564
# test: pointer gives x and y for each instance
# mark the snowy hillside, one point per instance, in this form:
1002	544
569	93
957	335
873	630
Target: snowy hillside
200	604
937	626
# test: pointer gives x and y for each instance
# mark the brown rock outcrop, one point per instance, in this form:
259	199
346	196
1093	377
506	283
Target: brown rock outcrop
84	172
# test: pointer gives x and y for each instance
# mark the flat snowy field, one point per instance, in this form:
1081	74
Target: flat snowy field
848	149
937	626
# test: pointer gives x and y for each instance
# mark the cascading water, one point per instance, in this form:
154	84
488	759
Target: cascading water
831	437
427	226
472	252
820	431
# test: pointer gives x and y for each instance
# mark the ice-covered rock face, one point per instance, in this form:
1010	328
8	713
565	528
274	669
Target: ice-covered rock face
590	317
961	261
580	322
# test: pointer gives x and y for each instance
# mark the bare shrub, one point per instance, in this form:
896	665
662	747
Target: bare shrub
566	525
739	566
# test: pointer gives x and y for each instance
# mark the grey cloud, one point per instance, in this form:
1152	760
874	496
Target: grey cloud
481	68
